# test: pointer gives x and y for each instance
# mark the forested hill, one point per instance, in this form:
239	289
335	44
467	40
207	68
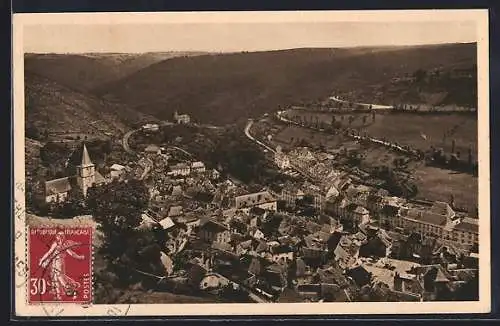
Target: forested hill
224	88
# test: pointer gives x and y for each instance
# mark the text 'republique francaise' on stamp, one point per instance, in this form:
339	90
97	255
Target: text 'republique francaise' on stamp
60	265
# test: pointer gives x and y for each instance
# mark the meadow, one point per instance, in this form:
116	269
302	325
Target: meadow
419	131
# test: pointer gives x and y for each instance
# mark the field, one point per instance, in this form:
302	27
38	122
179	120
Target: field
433	183
292	135
408	129
416	130
439	184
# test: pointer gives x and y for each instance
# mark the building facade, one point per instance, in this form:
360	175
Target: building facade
57	190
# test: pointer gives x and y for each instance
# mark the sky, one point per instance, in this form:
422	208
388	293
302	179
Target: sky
235	37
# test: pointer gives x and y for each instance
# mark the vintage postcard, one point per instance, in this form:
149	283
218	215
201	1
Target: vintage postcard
251	163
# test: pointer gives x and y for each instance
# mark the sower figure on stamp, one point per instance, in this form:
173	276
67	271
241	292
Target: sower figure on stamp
54	260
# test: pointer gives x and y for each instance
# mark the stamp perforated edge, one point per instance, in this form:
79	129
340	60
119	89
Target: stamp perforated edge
28	264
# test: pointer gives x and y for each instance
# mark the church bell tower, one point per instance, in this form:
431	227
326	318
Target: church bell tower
85	172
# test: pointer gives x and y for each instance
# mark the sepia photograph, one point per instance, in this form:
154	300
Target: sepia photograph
241	163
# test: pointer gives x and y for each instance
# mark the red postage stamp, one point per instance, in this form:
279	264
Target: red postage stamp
60	265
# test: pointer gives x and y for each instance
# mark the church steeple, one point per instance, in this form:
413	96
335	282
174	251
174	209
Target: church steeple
85	172
85	157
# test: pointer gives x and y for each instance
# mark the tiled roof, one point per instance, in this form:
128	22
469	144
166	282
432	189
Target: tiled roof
167	223
176	190
313	227
117	167
254	199
213	226
99	179
175	211
179	166
152	149
57	186
360	275
323	236
468	225
197	165
442	208
427	216
246	244
440	277
281	249
361	210
261	247
351	207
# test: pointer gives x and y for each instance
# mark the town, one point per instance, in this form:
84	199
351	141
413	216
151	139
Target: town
329	232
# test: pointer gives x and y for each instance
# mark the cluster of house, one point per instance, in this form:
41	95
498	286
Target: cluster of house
181	118
339	195
356	245
274	255
177	169
150	127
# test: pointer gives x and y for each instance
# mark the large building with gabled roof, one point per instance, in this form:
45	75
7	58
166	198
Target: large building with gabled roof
57	190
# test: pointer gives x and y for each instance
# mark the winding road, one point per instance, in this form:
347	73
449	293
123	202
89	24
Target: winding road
252	138
293	166
125	139
373	106
127	148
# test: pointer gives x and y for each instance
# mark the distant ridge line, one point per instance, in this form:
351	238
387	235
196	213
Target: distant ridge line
389	46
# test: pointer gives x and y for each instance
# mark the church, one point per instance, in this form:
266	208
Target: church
57	190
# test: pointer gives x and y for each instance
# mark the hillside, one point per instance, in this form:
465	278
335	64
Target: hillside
83	72
55	108
227	87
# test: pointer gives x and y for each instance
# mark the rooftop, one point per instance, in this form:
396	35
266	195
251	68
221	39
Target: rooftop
214	226
85	157
197	165
167	223
57	186
361	210
468	225
249	200
179	166
152	149
117	167
175	211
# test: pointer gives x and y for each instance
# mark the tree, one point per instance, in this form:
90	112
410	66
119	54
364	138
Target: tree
469	157
54	155
351	119
33	132
271	224
419	75
118	207
74	205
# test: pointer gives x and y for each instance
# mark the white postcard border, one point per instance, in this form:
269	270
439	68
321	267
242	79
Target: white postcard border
481	306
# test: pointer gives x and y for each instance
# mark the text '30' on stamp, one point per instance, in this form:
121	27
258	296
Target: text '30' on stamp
60	265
